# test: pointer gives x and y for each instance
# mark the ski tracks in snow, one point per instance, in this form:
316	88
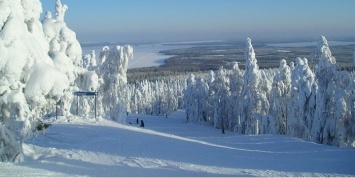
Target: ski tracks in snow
116	151
170	147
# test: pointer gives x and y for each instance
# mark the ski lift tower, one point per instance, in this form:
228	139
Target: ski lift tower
84	93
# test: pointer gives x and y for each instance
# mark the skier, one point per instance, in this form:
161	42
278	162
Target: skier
142	123
137	121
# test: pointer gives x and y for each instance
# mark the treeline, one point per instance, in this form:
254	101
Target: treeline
159	73
160	97
315	103
295	100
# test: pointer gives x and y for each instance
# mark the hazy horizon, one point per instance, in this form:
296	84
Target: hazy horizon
145	21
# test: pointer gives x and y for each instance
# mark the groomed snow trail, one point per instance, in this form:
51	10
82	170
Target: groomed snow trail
171	147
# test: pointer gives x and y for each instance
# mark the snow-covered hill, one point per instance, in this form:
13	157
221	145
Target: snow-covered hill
171	147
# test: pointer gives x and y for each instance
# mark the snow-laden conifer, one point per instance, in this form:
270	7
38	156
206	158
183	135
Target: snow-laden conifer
279	99
255	104
302	104
221	100
189	98
113	71
30	81
236	86
324	130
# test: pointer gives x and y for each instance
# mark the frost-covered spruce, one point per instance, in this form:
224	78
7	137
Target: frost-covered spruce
210	99
307	100
279	99
64	48
201	95
60	10
255	103
324	128
221	100
236	86
189	98
344	110
40	64
113	71
30	80
302	104
159	97
294	107
89	61
66	54
334	121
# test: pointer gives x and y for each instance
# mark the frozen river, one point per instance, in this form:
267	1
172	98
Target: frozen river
146	55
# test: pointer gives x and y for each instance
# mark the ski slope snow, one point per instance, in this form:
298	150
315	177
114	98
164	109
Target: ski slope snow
171	147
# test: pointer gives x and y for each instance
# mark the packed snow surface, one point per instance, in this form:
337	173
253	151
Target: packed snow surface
171	147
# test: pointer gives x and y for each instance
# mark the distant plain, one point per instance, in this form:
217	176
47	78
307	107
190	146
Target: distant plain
157	61
211	56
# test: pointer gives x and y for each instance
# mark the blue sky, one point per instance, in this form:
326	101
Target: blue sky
193	20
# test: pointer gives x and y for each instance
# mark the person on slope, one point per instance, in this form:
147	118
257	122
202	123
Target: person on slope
142	123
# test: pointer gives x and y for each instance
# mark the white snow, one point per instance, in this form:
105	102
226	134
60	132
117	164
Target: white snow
41	66
171	147
43	81
283	51
147	56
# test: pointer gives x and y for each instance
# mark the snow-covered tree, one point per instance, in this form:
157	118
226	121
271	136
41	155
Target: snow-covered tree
62	40
89	61
159	97
221	100
209	111
292	66
324	130
302	104
294	107
113	71
60	10
310	106
236	86
255	104
189	98
66	54
344	110
103	55
30	80
201	99
279	99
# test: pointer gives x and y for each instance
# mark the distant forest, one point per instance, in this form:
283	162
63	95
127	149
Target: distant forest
201	59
